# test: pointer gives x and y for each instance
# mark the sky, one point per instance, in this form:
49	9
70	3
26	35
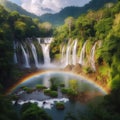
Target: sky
40	7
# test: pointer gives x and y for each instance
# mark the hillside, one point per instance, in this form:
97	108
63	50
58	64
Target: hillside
14	7
58	18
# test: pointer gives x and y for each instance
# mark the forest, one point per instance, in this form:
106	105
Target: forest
101	25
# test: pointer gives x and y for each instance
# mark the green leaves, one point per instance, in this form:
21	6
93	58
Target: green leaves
31	111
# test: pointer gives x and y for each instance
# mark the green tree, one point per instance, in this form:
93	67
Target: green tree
7	112
20	29
69	21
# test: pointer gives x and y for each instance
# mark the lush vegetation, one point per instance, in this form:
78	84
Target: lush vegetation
16	27
102	25
31	111
58	18
60	106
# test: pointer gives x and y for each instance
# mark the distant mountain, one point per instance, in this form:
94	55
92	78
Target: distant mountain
14	7
59	18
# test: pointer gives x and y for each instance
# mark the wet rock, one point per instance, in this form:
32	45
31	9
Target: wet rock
77	68
68	68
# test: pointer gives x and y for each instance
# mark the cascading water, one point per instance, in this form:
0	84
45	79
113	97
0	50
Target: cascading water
25	55
45	48
68	54
92	60
62	56
34	55
74	56
82	54
15	56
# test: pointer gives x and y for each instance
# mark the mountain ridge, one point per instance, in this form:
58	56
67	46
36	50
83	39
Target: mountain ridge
10	6
58	18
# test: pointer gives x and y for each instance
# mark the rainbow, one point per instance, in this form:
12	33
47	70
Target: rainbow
13	87
24	79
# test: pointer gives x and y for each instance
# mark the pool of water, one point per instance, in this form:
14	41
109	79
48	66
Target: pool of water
69	80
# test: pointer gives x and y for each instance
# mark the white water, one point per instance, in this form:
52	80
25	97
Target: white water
34	55
46	55
46	49
62	56
15	55
48	105
92	60
74	56
82	54
25	55
68	54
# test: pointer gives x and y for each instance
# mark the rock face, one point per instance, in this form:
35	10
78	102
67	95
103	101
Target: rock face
74	68
77	68
68	68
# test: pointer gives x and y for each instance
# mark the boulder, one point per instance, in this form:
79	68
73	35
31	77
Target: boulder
68	68
77	68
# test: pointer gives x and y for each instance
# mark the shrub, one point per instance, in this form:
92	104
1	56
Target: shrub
40	87
51	93
60	105
26	89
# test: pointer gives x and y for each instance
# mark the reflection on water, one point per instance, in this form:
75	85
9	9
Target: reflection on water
69	80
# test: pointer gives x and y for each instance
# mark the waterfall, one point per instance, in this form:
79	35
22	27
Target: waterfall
34	55
46	55
92	60
15	56
74	56
82	54
68	54
25	55
62	56
46	48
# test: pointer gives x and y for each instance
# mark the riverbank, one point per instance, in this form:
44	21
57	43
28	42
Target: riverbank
91	76
77	69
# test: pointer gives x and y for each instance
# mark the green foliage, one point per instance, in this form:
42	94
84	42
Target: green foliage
107	109
40	87
15	27
51	93
103	27
88	70
53	84
7	112
27	89
68	91
20	28
104	70
58	18
10	6
31	111
73	84
60	105
115	83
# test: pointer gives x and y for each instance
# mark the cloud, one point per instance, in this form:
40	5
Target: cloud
40	7
16	1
